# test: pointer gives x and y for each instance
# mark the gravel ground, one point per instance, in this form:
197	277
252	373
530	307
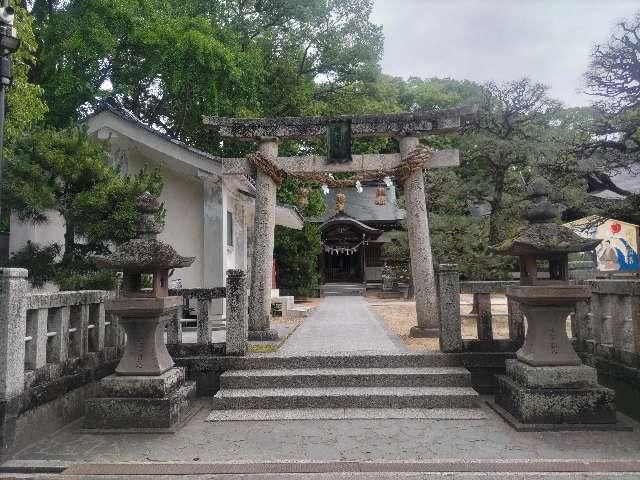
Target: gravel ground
400	316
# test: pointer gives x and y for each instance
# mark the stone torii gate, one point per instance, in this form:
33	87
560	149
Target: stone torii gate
406	127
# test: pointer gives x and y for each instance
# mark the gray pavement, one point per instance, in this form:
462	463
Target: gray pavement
342	324
335	440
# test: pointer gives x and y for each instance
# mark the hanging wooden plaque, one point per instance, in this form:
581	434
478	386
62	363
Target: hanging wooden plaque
339	141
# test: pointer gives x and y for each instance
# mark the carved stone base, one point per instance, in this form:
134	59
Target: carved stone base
138	403
422	332
145	352
592	404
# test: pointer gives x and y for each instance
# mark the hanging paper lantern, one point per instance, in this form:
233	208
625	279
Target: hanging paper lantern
303	197
381	195
340	201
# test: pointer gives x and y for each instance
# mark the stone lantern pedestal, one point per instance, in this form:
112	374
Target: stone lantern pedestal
146	392
547	387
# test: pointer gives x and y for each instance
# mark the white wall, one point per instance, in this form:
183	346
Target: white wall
182	199
43	234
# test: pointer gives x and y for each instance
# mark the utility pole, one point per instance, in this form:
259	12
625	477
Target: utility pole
9	43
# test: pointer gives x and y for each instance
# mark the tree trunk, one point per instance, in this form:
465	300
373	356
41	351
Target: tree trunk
495	235
69	242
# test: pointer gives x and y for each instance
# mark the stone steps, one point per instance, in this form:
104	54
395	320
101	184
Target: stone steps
346	397
256	414
342	289
351	360
347	377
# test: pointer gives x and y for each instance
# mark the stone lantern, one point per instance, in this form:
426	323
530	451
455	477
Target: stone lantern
146	391
547	385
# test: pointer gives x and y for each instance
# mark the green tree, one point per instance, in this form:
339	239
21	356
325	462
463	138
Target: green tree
296	251
171	62
64	171
612	133
509	136
25	103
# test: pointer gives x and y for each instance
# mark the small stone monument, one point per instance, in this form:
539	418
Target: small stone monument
387	278
547	386
147	391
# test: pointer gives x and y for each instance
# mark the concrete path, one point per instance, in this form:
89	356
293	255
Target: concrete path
342	324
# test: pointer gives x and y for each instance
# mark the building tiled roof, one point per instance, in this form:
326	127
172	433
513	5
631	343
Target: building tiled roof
110	104
362	207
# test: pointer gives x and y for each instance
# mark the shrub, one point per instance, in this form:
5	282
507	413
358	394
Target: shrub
39	260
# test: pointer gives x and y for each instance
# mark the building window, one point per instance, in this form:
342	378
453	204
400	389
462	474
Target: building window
374	257
229	229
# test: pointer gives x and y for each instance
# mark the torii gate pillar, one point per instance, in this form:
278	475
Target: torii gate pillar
262	256
420	248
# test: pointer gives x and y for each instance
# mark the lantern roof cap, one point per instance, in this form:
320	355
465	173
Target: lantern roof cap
542	237
145	253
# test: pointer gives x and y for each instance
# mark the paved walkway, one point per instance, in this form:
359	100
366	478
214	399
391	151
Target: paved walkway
336	440
342	324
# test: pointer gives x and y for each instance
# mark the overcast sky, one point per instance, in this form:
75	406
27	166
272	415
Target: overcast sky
547	40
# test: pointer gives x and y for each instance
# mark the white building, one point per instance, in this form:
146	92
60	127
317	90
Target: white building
208	216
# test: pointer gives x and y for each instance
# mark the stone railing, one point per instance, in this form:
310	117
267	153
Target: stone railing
609	323
606	332
44	335
235	293
203	299
53	346
449	289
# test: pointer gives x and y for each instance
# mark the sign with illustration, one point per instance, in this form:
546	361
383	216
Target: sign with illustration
618	251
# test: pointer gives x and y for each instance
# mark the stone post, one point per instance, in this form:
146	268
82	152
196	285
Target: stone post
516	323
449	302
203	321
262	257
420	246
13	319
237	320
174	328
59	351
97	316
484	323
625	340
36	348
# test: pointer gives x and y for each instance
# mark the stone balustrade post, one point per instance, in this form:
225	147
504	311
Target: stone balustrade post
204	321
262	256
58	350
484	324
237	317
581	320
97	317
625	340
448	282
79	321
422	272
174	328
593	319
606	320
516	323
36	347
13	317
